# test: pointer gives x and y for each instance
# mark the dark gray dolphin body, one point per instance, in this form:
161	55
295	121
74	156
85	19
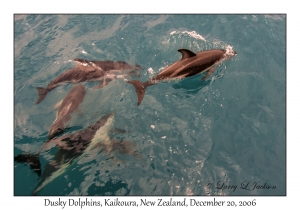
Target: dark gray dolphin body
88	71
70	104
72	146
189	65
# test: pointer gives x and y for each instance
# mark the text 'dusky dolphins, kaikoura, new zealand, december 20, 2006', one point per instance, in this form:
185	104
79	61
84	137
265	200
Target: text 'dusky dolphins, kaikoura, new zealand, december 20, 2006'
190	64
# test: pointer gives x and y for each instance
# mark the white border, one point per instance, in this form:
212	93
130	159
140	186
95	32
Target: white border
8	201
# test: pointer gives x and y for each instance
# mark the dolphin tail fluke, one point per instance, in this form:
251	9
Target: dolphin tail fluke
140	89
42	94
32	160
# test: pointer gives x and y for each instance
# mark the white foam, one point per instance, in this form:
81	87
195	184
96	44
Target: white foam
193	34
150	70
229	50
162	68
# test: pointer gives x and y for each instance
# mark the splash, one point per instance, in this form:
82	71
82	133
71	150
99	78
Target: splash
193	34
150	70
162	68
229	51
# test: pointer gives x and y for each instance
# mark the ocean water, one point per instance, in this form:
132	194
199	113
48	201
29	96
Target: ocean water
222	136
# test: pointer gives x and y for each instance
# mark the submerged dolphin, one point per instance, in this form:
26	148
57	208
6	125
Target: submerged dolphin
189	65
88	71
72	146
70	104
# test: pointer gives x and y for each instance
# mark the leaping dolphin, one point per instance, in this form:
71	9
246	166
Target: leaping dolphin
70	104
189	65
72	146
88	71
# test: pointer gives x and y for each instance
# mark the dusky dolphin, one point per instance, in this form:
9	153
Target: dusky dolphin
73	146
89	71
70	104
189	65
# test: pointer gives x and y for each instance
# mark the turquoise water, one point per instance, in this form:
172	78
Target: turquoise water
195	137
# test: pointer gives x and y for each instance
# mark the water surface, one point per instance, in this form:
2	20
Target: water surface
195	137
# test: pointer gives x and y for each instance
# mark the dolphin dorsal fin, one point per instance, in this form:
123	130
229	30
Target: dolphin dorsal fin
186	53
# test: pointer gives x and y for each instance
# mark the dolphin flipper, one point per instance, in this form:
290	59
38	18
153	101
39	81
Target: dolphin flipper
209	72
56	106
103	84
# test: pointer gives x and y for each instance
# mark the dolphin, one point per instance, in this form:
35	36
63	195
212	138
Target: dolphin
108	65
73	146
70	104
86	70
190	64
